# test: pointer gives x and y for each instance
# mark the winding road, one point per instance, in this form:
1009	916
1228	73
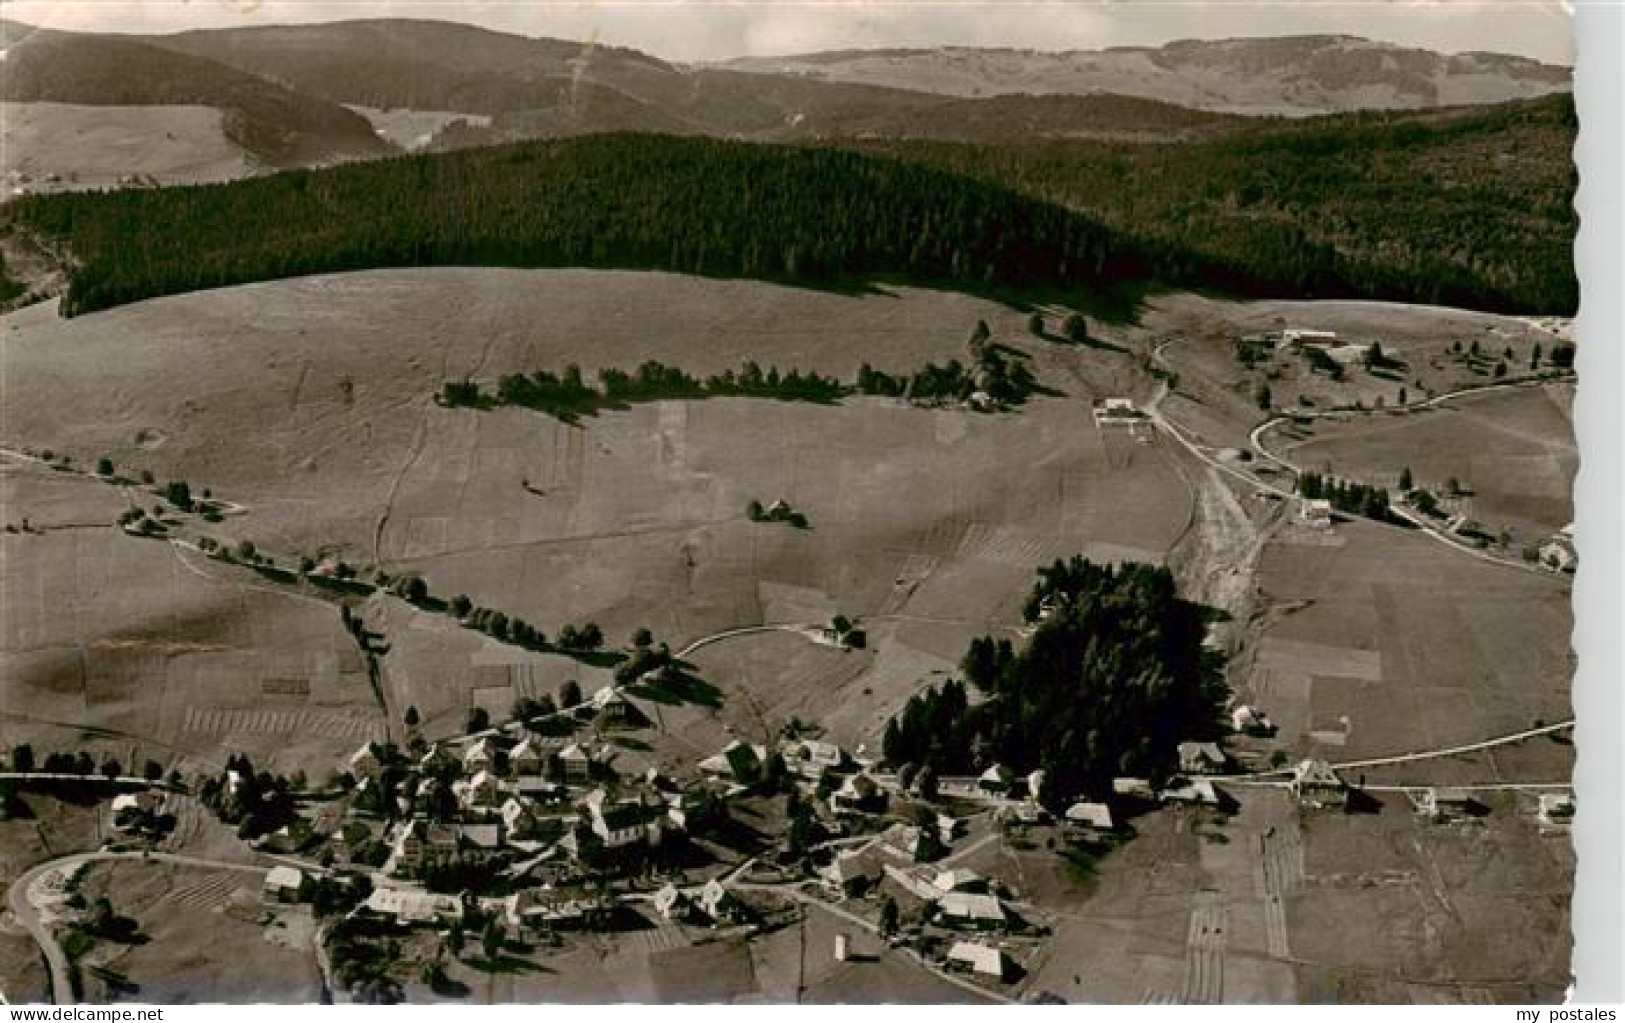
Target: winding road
29	893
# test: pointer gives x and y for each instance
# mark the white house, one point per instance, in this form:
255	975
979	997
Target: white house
413	906
481	755
1316	784
959	880
528	758
1316	512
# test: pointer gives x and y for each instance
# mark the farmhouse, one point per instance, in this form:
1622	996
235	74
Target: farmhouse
1250	720
1445	804
852	872
739	761
1315	338
1315	512
971	911
1315	784
611	708
482	790
1192	791
411	906
1086	820
1556	811
810	758
1558	553
1200	758
1136	788
131	809
480	756
919	882
623	823
287	884
528	758
415	842
536	910
959	880
980	959
578	763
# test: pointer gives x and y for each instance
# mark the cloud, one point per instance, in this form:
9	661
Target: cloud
711	29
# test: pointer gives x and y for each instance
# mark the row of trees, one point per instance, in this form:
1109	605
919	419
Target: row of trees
568	396
1112	680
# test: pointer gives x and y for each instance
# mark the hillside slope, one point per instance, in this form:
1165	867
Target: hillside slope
1294	75
273	123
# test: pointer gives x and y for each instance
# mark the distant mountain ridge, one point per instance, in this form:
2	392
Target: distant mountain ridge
275	124
1290	75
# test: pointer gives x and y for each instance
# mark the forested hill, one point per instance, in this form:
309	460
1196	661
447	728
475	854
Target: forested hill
618	201
1470	207
819	216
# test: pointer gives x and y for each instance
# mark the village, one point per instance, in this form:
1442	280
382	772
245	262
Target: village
538	831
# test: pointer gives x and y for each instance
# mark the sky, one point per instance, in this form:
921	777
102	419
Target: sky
692	30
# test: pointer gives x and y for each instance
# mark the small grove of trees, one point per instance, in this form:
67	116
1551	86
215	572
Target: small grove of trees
1346	496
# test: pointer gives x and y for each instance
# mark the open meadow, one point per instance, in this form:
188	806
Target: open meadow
55	147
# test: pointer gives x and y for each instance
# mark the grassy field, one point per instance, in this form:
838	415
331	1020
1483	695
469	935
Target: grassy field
97	146
209	937
1515	450
1276	904
1416	646
136	649
309	401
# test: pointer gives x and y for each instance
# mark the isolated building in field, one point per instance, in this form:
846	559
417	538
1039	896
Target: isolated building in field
1558	553
1315	338
1556	811
982	960
1446	804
